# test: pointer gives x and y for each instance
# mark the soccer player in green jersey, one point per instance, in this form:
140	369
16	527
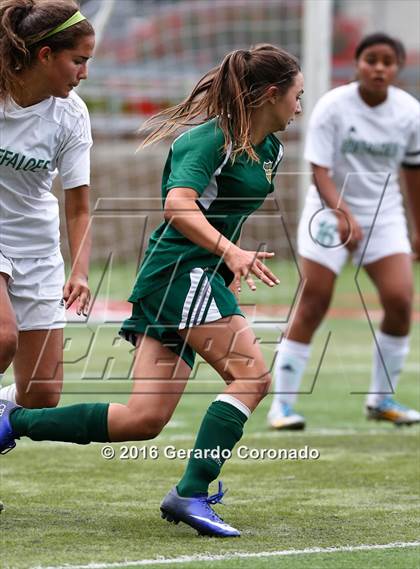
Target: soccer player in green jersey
216	175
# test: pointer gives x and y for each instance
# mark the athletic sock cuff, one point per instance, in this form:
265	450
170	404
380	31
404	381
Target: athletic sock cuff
296	348
394	342
231	400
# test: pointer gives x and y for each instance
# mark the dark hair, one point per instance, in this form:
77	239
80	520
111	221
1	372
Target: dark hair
22	22
230	92
377	38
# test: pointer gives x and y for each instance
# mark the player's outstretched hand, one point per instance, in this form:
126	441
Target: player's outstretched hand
243	264
77	288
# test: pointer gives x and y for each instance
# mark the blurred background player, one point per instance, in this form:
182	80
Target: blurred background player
44	129
359	137
216	175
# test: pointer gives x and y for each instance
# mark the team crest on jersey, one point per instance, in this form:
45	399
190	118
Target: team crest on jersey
268	169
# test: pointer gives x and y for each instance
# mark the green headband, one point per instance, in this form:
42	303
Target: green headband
75	19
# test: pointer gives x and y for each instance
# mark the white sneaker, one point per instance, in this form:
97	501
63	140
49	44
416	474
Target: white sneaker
282	417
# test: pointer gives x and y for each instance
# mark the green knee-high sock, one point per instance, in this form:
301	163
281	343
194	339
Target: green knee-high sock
82	424
222	427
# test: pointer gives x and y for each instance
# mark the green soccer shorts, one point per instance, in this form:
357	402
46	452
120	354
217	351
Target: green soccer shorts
192	299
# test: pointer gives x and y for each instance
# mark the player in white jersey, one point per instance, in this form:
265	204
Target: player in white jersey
359	137
44	130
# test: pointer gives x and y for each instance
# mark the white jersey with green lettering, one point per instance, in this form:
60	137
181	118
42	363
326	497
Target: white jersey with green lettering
36	143
364	147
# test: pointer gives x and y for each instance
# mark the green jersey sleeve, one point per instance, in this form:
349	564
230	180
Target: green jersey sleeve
195	158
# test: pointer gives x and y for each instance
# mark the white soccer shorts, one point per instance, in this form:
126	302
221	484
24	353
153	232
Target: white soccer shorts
36	291
318	239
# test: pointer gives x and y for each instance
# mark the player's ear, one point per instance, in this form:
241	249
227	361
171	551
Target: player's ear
44	55
272	94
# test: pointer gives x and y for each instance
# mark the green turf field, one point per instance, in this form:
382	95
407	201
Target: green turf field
66	505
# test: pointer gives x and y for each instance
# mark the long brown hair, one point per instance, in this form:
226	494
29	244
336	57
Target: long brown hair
22	22
230	92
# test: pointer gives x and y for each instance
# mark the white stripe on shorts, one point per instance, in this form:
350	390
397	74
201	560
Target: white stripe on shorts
213	313
201	301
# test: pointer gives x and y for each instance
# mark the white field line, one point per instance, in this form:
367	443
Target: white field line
237	555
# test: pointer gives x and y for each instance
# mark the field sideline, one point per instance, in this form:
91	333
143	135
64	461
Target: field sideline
213	559
356	505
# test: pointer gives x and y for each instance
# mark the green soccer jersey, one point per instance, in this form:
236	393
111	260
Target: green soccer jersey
227	194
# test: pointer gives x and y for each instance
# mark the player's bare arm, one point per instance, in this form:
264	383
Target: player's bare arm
185	215
348	227
79	236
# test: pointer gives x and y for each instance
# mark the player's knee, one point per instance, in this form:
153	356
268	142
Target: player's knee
398	305
8	347
312	309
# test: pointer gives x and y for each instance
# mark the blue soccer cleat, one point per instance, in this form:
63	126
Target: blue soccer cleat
7	440
197	513
282	417
390	410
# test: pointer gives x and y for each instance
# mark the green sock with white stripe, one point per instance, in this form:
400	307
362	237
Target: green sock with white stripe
220	430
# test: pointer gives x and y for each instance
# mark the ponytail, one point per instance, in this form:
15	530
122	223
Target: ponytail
230	92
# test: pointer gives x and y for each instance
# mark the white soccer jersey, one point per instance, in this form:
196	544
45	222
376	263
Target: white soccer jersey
364	147
36	143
